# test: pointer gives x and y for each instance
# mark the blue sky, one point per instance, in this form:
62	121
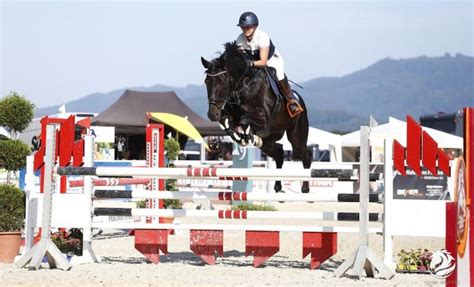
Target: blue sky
54	52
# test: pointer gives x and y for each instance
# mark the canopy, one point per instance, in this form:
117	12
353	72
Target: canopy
324	140
129	113
181	124
398	130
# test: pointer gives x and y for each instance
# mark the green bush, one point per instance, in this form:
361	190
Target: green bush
170	185
172	149
141	203
13	154
254	207
12	208
418	257
16	112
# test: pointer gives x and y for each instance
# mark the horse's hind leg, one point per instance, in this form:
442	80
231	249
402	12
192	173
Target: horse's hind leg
306	164
275	151
301	152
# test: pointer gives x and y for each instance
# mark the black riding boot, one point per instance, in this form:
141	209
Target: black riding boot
292	105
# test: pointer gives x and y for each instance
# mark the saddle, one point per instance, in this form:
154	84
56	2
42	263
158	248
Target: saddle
273	81
271	75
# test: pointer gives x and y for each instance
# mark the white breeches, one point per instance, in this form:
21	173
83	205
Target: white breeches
276	61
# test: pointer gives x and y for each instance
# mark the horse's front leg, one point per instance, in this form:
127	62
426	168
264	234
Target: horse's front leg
279	164
233	130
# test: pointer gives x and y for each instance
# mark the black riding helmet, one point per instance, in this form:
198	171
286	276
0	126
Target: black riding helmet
248	19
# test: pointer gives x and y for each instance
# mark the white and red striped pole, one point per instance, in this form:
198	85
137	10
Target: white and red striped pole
222	174
111	182
238	196
233	214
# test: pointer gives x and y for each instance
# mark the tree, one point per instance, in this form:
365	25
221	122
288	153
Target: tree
16	113
13	154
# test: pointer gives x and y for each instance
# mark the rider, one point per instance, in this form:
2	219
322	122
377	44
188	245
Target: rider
258	44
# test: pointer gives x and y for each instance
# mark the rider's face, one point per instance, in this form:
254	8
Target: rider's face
248	31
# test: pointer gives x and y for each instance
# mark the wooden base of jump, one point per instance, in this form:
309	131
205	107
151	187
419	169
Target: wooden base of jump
207	244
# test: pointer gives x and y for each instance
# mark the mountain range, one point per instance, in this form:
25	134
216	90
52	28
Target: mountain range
389	87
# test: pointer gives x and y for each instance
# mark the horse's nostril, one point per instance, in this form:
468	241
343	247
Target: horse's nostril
213	116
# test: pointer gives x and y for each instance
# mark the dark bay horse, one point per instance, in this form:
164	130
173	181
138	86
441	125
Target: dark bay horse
241	97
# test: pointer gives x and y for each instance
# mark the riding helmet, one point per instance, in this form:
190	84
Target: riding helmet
248	19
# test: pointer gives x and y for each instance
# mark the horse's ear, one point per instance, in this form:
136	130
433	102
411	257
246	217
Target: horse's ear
206	63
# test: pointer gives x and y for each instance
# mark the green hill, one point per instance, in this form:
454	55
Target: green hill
416	86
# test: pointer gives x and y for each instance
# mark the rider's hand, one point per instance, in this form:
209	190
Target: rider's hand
249	63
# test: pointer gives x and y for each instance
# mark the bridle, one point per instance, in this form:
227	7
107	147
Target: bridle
233	95
230	97
217	74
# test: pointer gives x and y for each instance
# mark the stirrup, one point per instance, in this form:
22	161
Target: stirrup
298	110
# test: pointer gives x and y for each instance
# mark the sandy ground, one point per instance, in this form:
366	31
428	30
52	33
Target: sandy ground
122	265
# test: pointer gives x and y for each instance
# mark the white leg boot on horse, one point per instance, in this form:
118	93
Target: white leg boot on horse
292	105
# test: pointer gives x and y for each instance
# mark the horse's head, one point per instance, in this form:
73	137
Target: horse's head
217	83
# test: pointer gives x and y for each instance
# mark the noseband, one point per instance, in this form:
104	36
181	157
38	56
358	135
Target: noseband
217	74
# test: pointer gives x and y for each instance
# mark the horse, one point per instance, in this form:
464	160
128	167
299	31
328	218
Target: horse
241	97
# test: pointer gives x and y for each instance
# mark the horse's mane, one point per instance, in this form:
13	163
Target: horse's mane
235	58
218	61
232	49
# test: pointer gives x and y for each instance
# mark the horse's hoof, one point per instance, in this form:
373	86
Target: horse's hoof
305	188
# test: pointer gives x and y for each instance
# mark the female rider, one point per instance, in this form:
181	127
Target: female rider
258	45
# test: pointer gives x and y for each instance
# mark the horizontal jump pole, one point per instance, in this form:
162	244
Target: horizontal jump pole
218	165
233	214
231	227
209	186
111	182
145	181
222	174
238	196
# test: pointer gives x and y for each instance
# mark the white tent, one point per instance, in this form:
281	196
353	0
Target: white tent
397	130
325	141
